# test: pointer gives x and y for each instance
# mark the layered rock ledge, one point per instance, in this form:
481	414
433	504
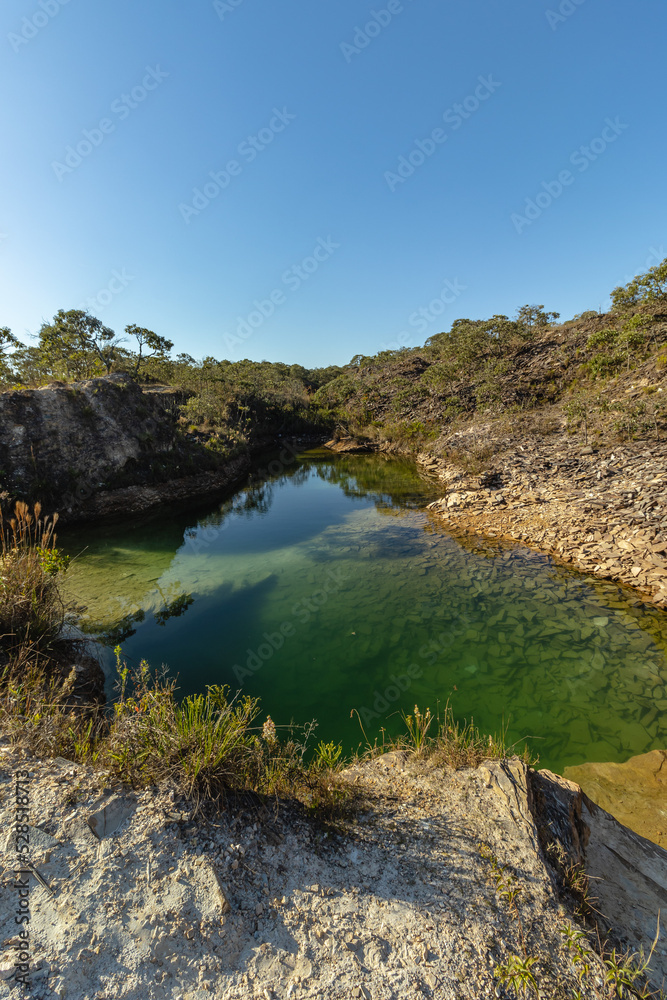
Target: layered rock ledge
603	511
135	899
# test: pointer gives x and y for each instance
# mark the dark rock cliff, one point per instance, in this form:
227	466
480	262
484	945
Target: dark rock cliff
62	444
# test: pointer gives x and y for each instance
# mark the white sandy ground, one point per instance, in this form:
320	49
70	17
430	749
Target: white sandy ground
261	903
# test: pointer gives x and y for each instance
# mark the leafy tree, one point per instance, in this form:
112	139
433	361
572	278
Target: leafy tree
531	318
77	344
8	342
159	346
644	288
29	366
501	331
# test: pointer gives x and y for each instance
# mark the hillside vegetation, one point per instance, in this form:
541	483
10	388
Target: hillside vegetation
604	375
226	406
601	374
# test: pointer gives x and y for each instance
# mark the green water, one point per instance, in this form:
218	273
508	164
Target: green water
329	588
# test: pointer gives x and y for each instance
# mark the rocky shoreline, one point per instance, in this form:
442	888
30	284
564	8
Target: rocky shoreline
603	510
600	509
132	897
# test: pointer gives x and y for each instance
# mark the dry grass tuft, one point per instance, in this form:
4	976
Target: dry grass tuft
447	742
32	611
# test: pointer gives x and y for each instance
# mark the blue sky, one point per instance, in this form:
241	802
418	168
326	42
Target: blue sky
312	247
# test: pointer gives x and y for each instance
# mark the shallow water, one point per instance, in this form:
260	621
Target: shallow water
328	588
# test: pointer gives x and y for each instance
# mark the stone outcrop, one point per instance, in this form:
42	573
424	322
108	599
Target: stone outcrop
104	447
62	443
142	498
627	873
346	445
602	510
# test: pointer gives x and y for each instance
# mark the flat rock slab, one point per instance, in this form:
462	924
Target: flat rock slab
635	793
627	873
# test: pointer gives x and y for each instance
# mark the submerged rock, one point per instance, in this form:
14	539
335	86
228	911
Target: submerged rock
635	793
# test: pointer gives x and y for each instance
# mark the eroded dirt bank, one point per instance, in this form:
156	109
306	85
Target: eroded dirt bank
144	902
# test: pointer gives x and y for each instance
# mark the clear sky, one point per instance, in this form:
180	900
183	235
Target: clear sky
312	245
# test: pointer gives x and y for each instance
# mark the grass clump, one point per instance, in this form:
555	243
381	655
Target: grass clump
37	709
33	614
446	741
209	745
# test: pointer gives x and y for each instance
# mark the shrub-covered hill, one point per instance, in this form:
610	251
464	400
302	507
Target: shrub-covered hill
604	372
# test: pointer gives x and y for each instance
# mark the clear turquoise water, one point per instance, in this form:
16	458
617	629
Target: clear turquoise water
329	588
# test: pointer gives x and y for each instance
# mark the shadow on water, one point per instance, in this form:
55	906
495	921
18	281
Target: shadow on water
328	589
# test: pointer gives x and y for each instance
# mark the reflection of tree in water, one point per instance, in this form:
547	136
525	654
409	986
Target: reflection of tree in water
392	484
124	628
174	609
255	498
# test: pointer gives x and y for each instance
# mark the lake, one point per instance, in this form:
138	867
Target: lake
328	588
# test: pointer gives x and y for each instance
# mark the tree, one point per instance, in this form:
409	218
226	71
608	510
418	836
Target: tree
532	317
159	346
648	287
8	342
501	331
77	344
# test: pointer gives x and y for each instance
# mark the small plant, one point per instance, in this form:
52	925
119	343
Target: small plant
327	755
577	945
52	561
625	973
517	973
507	887
269	731
418	725
611	975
